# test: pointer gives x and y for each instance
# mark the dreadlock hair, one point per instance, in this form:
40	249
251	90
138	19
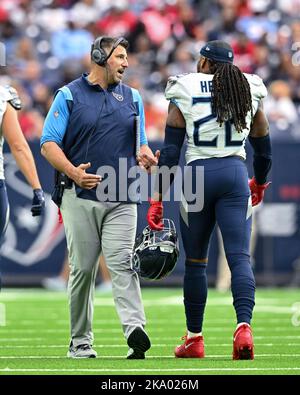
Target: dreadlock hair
231	95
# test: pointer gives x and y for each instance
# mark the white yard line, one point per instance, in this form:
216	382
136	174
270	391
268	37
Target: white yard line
176	300
4	330
154	321
153	345
171	340
148	356
89	370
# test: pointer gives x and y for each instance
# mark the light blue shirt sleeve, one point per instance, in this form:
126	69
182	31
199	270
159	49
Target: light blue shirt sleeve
57	119
137	98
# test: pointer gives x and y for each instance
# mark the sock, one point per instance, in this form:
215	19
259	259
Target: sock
192	334
240	324
242	286
195	294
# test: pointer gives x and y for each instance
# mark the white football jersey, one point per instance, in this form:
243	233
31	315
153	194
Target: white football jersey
5	96
205	138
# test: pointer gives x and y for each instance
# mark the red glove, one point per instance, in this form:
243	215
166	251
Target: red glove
257	191
60	218
155	214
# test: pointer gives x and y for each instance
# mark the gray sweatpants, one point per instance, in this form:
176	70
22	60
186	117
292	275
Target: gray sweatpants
91	228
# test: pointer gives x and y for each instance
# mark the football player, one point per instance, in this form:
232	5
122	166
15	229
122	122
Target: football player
217	109
10	131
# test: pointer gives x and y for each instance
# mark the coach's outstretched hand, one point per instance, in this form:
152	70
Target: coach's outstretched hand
257	191
146	159
38	202
155	215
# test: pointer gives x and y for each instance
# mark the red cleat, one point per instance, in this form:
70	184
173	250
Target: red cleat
243	347
191	348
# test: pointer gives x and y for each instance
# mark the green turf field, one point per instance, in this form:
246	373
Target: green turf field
35	335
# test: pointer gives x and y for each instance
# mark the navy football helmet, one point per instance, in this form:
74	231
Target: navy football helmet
156	252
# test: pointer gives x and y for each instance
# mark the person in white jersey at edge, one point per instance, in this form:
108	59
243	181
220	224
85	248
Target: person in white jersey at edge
10	130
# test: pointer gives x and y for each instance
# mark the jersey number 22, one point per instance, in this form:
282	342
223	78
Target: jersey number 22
213	143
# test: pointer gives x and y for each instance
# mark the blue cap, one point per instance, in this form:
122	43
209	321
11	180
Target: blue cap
218	51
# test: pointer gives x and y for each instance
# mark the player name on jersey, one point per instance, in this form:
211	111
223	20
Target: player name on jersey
206	86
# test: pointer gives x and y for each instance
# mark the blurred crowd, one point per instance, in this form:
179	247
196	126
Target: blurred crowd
47	44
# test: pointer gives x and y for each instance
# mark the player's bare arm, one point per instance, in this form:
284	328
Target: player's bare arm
259	139
169	156
175	117
19	147
260	125
174	120
53	153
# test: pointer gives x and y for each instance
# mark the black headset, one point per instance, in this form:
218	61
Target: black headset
98	55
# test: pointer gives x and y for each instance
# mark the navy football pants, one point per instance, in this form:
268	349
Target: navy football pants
3	213
227	201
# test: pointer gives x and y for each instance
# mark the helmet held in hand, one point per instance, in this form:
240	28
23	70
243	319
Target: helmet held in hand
155	253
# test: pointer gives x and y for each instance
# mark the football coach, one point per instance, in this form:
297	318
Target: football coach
93	122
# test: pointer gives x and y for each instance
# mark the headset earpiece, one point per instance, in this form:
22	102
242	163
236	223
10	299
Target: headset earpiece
98	55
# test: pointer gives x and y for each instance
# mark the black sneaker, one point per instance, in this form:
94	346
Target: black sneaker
138	343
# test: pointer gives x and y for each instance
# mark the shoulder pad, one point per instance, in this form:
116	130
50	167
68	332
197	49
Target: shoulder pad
256	80
258	88
14	99
174	78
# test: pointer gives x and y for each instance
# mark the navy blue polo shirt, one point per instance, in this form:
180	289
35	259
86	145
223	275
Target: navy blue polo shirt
95	125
